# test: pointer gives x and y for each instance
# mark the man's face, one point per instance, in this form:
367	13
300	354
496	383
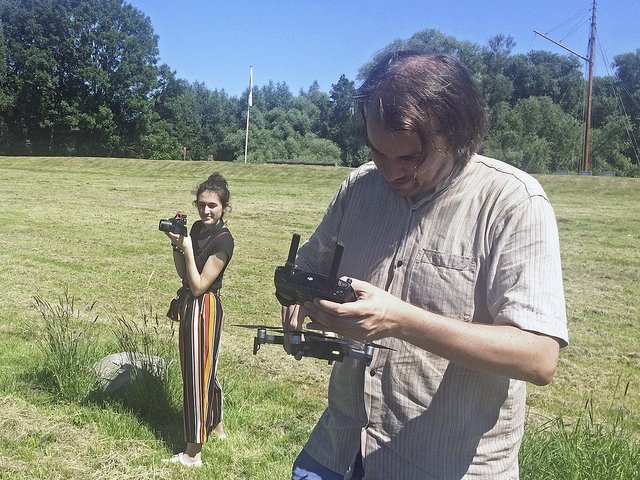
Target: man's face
398	156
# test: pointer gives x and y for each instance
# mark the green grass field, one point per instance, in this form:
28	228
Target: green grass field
88	227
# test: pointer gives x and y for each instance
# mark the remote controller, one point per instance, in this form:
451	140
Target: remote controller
297	286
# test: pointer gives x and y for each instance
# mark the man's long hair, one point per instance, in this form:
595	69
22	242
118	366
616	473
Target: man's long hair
426	94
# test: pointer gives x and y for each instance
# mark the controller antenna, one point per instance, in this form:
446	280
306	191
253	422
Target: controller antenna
293	250
335	263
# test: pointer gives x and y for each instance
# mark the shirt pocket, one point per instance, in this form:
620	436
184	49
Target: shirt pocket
443	283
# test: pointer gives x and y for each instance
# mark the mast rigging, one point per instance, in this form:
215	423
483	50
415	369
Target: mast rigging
584	165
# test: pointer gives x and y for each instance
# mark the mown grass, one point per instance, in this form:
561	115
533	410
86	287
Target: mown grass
87	227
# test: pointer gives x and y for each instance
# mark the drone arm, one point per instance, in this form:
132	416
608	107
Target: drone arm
262	337
275	339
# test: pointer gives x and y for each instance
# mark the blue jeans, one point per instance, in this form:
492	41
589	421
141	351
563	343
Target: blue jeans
306	468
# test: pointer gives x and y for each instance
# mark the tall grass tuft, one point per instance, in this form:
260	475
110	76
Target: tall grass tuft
156	382
581	449
68	348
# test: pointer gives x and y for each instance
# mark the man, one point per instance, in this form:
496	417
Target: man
456	266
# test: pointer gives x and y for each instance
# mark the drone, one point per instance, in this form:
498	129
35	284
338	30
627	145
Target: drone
307	343
294	285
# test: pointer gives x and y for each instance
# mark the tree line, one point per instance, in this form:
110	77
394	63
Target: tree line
81	77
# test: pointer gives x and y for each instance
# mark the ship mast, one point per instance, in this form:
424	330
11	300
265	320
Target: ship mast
587	131
584	164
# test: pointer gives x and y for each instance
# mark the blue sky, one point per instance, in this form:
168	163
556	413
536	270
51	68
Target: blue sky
299	41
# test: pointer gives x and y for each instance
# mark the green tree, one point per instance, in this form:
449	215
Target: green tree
435	42
5	99
495	85
178	105
272	95
343	122
605	100
535	135
321	110
159	141
219	115
609	146
544	74
232	146
627	68
616	117
80	73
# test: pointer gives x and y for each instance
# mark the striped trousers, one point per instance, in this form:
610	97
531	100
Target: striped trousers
199	339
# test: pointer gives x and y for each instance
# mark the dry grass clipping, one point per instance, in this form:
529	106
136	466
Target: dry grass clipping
33	446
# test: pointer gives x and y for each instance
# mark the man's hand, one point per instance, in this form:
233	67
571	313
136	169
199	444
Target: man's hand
293	319
370	317
504	350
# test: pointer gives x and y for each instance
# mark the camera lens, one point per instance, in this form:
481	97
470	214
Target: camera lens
165	225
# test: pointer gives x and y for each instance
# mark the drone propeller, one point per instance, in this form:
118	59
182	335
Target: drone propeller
314	335
253	327
310	333
278	329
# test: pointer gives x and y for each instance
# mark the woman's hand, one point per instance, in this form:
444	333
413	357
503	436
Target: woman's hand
183	242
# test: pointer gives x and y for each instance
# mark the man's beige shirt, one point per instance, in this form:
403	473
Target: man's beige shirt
482	248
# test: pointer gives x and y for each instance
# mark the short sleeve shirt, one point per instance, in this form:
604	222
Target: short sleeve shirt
208	242
483	247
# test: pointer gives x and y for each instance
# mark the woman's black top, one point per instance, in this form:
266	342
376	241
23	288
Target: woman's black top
206	242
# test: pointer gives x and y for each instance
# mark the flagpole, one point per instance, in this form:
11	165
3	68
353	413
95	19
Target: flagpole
249	104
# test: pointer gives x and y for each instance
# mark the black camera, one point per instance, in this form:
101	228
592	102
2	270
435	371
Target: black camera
177	225
297	286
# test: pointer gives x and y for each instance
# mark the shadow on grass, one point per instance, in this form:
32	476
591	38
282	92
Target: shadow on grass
67	368
149	400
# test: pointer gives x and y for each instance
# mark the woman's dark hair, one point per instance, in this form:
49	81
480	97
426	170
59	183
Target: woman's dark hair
426	94
215	183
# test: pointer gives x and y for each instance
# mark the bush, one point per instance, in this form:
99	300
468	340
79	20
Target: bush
580	449
153	387
68	349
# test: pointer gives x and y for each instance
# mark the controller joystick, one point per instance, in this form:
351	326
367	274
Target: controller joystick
294	285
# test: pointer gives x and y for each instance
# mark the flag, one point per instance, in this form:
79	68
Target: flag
250	86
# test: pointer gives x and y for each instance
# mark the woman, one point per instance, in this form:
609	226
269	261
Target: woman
200	259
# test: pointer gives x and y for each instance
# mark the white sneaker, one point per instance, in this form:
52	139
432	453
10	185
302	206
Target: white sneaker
183	459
